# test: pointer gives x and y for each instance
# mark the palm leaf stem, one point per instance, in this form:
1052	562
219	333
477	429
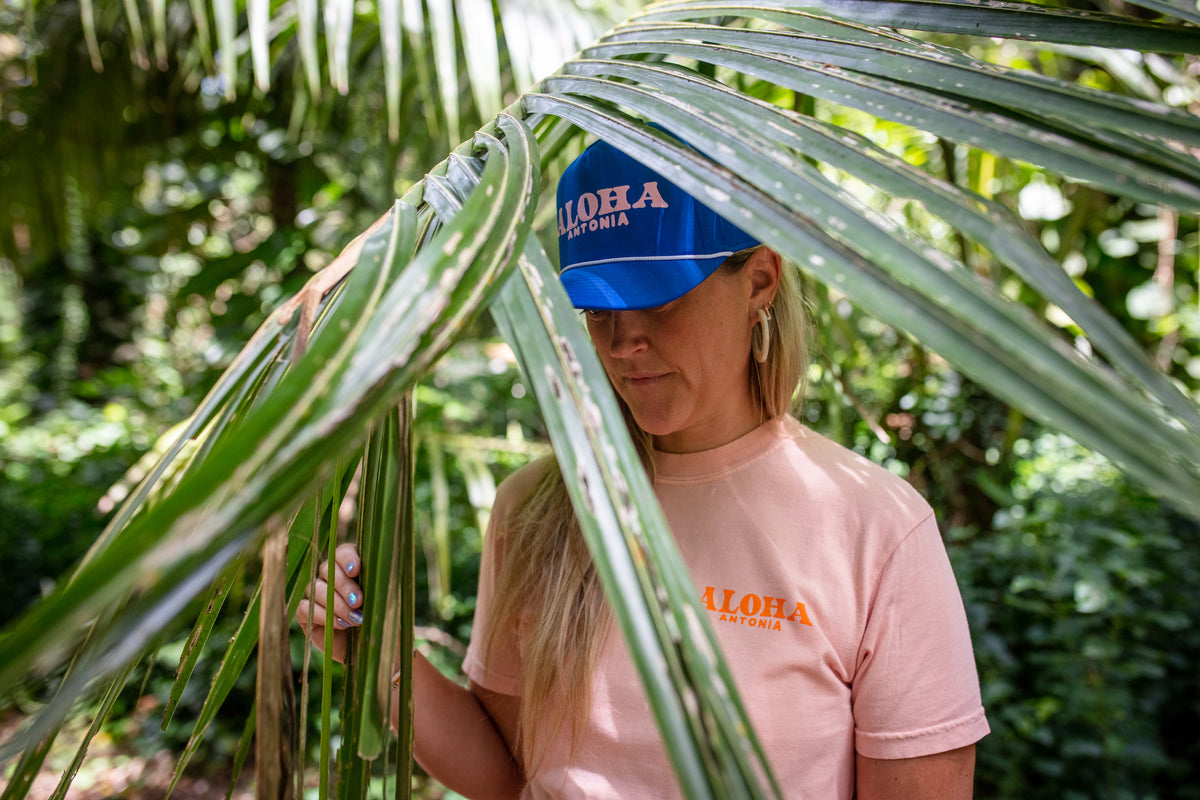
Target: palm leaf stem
1175	8
951	73
1005	20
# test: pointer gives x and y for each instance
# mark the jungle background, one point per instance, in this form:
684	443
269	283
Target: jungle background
148	224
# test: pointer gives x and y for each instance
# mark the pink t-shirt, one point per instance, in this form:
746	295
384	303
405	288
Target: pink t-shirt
828	586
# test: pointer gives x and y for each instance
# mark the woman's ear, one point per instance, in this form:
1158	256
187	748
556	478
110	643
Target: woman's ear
764	268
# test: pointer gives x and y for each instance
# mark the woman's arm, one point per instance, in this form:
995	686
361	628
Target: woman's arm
916	687
463	737
946	776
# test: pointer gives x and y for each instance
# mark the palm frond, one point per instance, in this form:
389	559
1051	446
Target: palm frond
263	32
1005	20
703	725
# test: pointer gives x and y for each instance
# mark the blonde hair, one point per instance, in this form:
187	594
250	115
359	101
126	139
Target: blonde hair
548	600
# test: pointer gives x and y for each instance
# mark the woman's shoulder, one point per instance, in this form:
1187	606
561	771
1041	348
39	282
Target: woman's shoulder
522	480
850	472
521	483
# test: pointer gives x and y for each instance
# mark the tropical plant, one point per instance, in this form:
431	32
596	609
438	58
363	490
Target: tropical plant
317	400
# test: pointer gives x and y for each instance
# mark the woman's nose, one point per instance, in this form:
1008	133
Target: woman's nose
629	334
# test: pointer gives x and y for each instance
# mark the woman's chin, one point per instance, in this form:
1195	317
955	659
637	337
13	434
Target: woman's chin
656	425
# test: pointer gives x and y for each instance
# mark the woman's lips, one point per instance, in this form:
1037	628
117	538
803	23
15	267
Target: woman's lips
643	379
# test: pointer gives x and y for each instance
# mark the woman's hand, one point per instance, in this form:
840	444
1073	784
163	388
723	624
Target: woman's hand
463	736
347	600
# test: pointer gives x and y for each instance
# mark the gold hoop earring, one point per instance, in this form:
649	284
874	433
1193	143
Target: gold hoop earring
762	345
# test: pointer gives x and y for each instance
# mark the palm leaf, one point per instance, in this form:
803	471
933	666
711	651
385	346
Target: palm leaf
469	25
1176	8
326	372
705	729
976	121
1005	20
985	221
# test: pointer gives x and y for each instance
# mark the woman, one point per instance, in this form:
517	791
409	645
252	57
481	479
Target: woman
824	575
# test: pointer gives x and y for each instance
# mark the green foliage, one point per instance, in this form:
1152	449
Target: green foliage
53	478
1079	588
1081	600
475	423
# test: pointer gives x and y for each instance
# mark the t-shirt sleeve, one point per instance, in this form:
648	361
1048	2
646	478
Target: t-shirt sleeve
496	666
916	689
486	665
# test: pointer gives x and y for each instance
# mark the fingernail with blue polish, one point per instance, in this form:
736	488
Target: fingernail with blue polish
350	567
338	622
353	598
356	617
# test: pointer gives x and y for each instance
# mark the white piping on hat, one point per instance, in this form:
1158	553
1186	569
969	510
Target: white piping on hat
697	257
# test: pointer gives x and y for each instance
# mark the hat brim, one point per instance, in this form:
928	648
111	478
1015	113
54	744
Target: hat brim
635	284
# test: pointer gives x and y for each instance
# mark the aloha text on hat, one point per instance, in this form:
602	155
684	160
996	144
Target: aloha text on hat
605	208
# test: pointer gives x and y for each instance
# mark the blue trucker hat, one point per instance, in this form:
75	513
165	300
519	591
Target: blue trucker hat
629	238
